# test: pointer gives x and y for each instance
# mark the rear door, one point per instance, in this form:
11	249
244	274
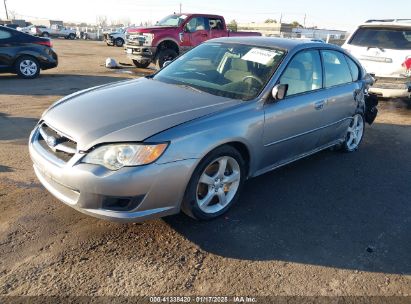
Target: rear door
382	50
6	48
343	89
217	27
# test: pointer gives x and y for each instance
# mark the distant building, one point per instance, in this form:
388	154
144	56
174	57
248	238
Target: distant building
46	22
20	22
316	33
268	29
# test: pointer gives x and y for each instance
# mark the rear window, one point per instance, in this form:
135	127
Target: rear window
385	38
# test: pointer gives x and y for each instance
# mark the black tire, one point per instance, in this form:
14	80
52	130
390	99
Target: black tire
141	65
71	36
165	55
189	205
45	35
20	71
119	42
346	147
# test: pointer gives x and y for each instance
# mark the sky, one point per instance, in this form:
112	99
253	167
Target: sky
332	14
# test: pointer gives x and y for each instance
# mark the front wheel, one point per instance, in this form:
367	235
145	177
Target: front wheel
119	42
165	55
141	64
355	133
45	35
72	36
215	184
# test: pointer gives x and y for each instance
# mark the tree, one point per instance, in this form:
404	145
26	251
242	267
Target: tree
101	21
233	25
270	21
296	24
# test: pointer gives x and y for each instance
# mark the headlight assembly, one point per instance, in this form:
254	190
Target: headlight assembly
116	156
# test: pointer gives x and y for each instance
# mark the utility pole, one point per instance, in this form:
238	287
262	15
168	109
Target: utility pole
281	18
5	8
180	6
305	18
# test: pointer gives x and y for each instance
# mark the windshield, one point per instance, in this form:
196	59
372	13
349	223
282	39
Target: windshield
172	20
224	69
384	38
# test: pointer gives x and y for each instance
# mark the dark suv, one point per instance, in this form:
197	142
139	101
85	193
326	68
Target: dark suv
24	54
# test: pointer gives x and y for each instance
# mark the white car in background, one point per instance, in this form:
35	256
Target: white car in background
54	31
116	37
384	49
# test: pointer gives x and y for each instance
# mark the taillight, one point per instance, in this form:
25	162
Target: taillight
407	63
45	42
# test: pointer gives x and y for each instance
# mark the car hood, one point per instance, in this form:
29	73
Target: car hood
128	111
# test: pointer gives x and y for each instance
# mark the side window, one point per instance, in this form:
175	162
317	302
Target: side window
215	24
196	24
355	71
303	73
4	35
336	69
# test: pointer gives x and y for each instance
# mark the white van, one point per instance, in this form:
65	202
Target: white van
384	49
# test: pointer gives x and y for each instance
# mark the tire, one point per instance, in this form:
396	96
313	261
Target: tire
355	134
45	35
119	42
165	55
208	200
141	65
71	36
27	67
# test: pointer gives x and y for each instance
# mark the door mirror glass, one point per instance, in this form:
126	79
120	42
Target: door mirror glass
279	91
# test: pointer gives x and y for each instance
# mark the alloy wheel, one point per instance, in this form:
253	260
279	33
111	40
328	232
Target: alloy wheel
355	132
218	184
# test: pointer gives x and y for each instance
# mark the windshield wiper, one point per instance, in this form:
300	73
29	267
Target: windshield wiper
186	86
376	47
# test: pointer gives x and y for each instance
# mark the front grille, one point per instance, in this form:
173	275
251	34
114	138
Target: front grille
57	144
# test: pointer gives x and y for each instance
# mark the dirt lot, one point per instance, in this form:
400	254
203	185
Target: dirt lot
332	224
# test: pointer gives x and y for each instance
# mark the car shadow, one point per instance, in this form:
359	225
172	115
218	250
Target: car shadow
345	210
52	84
15	128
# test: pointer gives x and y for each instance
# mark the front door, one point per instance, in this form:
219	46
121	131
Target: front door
293	125
198	30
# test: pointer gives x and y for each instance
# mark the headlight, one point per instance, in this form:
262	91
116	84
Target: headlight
116	156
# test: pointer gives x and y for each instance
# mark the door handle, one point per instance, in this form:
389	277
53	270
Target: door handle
319	105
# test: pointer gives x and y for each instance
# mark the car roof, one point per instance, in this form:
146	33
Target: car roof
272	42
394	23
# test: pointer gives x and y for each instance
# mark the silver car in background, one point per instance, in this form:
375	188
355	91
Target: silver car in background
187	137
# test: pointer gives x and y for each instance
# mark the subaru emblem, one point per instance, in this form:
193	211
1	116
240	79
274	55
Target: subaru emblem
51	141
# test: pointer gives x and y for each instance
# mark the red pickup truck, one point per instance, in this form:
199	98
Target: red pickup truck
173	35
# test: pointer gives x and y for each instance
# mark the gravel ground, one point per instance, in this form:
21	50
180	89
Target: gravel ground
333	224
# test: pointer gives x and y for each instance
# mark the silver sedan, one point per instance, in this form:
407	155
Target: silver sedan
187	137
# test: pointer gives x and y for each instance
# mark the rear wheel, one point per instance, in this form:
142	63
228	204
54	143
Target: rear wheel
165	55
355	133
45	34
215	184
141	64
27	67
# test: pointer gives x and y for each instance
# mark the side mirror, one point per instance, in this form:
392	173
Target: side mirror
279	91
166	63
369	79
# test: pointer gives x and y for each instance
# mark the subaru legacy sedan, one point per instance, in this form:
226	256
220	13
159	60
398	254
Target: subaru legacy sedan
187	137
